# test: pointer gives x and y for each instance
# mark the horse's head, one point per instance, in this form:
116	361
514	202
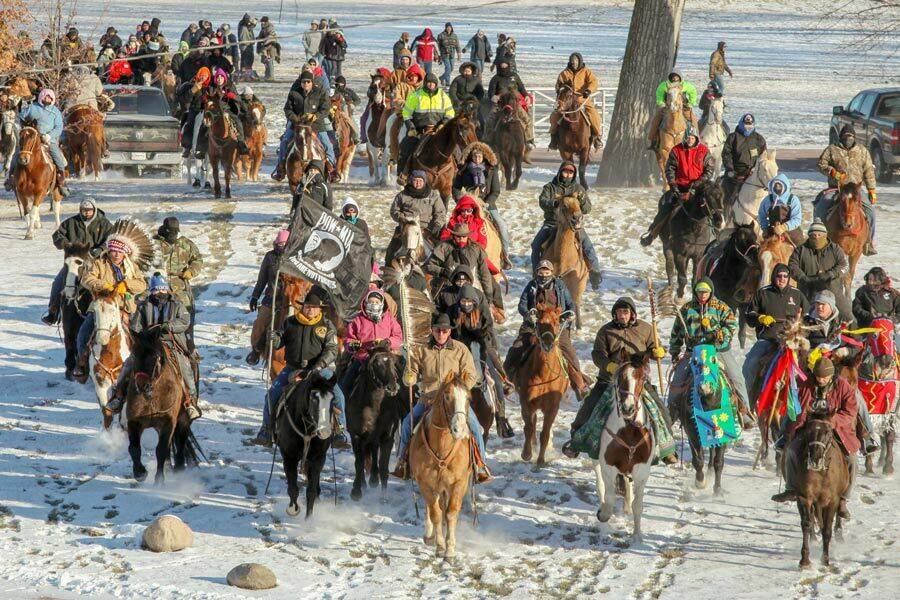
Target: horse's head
765	169
745	243
716	110
629	384
818	435
383	369
568	212
463	129
320	393
566	99
75	256
708	379
294	289
547	327
107	317
850	205
674	99
29	143
453	399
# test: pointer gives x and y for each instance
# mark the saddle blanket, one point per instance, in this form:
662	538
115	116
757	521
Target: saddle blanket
880	396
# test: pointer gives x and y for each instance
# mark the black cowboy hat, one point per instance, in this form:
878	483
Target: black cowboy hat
315	298
441	321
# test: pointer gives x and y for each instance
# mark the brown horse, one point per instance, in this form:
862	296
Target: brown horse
848	228
346	149
441	462
773	250
541	382
564	250
375	138
255	133
291	292
85	140
508	140
574	132
223	143
437	154
671	130
35	177
304	148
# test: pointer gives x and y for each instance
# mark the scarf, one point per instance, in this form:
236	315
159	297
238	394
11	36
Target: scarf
477	173
305	321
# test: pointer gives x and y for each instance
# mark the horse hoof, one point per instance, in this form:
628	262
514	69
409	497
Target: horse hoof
450	555
429	541
292	510
805	565
440	552
888	470
700	484
29	236
637	538
526	456
603	517
719	492
140	475
355	494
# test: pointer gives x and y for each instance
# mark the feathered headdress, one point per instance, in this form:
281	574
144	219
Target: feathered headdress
136	239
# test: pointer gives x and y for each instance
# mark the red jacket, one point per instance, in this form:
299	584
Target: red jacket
119	69
690	163
478	231
842	409
425	46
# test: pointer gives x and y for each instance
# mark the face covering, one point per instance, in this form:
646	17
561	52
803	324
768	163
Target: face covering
352	219
848	142
169	235
818	243
467	307
544	280
374	310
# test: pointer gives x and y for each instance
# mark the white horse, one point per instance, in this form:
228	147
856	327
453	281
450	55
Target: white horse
754	190
388	167
197	170
713	133
628	443
109	348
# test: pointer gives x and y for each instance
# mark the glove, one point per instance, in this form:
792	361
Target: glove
187	274
567	315
409	379
276	338
873	197
45	137
109	287
765	320
705	323
532	316
311	117
837	175
685	196
612	367
354	344
254	304
121	288
658	352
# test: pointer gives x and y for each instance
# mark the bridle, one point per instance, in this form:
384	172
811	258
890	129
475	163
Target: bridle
820	464
629	420
34	138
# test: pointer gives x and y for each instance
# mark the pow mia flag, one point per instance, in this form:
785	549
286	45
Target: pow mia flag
327	250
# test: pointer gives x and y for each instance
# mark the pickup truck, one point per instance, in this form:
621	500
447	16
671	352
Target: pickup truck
141	132
875	115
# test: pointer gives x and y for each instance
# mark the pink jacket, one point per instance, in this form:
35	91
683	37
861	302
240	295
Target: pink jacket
364	330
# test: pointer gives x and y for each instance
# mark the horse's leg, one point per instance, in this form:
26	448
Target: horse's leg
453	507
56	204
180	441
582	168
547	432
828	517
29	223
848	276
359	461
291	462
525	406
670	264
384	458
628	484
518	171
229	164
719	466
606	489
373	462
696	459
806	526
640	475
214	167
437	521
887	444
134	450
163	451
313	480
681	266
428	538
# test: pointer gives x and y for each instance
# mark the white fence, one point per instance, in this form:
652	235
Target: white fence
545	103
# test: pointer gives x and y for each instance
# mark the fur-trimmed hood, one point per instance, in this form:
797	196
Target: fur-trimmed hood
489	156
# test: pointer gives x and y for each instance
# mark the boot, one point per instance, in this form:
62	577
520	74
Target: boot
482	474
80	370
504	429
263	438
279	173
788	496
51	318
338	437
869	248
61	184
186	153
568	451
401	471
554	142
871	445
192	411
252	358
528	148
843	511
596	278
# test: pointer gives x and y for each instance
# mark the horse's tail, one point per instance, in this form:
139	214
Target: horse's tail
192	450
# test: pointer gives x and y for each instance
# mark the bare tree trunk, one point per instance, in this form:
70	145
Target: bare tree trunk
649	57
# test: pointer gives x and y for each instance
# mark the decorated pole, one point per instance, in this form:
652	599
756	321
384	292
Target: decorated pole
659	370
405	327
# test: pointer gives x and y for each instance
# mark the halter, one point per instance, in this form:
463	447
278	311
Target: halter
442	461
821	464
33	141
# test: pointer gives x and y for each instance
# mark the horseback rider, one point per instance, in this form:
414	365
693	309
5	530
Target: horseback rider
466	85
161	317
190	95
112	272
402	68
547	290
468	211
707	320
820	265
507	80
828	394
565	184
88	228
315	186
627	334
49	123
449	294
373	326
876	299
712	92
350	102
418	203
310	345
781	199
771	310
181	261
460	249
689	166
848	162
741	150
718	67
429	365
350	213
689	95
425	110
223	88
306	103
265	288
479	172
474	327
583	83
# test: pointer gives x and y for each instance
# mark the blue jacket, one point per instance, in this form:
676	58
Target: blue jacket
527	302
48	119
795	220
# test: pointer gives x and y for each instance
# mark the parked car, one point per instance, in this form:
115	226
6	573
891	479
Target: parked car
875	114
140	131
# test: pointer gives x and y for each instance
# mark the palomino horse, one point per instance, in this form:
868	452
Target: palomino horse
713	133
74	304
848	228
508	141
541	382
223	144
375	143
84	141
441	463
671	129
35	178
160	406
754	189
574	132
773	250
437	154
627	445
109	348
689	231
346	148
304	148
564	250
255	134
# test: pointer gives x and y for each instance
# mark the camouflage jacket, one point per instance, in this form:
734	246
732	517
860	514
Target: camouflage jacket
180	262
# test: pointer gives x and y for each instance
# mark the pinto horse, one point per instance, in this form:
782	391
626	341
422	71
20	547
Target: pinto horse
109	347
346	148
671	129
84	140
436	155
35	177
564	250
574	132
255	133
508	141
848	228
223	143
627	444
744	208
375	143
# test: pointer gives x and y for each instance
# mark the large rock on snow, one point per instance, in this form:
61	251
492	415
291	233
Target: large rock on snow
252	576
167	533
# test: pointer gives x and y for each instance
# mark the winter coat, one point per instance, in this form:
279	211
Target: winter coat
870	304
191	101
399	47
711	323
427	210
147	64
180	262
428	109
190	65
559	292
823	332
118	70
219	61
233	50
636	337
265	280
424	46
479	48
463	88
74	231
717	64
110	41
100	276
313	347
320	192
740	152
477	229
431	364
246	33
315	102
447	256
842	409
449	293
795	216
188	36
556	189
480	332
333	46
448	44
464	179
47	119
170	316
582	81
784	305
855	164
689	165
364	330
312	40
817	270
86	91
506	51
687	88
504	80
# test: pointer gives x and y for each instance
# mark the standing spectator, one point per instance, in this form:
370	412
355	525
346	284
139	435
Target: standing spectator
448	45
146	66
246	35
111	40
506	50
466	85
479	47
206	29
232	50
189	35
177	60
268	48
312	39
424	48
399	46
154	27
718	67
333	50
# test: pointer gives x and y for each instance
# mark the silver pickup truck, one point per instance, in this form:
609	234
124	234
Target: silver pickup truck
141	132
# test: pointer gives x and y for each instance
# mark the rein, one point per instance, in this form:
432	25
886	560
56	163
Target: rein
442	461
631	448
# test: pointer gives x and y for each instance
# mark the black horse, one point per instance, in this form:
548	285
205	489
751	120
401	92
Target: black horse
728	263
374	410
689	231
74	303
303	433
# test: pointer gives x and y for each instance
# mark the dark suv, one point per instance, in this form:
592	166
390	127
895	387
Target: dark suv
140	131
875	115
